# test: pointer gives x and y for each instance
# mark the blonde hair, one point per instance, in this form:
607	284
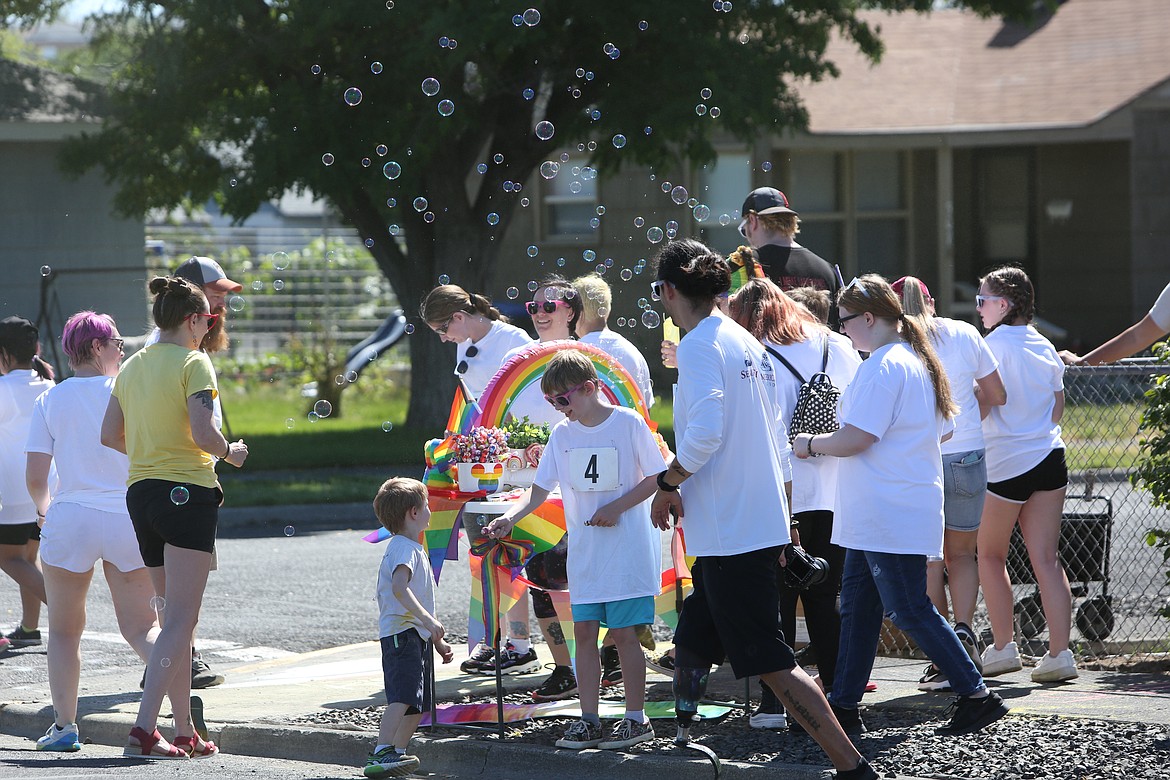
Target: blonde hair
786	224
444	301
872	293
567	369
396	497
595	295
916	305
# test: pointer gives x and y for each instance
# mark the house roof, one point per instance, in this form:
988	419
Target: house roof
36	95
951	71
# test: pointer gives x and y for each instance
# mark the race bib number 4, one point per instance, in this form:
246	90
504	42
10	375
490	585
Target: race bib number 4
594	469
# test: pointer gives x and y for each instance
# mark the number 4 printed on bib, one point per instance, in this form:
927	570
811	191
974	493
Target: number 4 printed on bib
594	469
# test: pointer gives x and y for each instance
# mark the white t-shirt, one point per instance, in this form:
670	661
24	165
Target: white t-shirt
890	495
1021	433
500	340
594	466
393	618
814	480
729	437
621	349
965	357
19	389
530	401
1160	311
67	424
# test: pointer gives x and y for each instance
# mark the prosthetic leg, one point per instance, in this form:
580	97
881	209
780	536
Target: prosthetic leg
690	686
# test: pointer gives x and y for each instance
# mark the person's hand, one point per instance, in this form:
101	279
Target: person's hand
669	354
666	504
794	532
800	445
445	651
500	527
604	517
237	453
1071	358
436	630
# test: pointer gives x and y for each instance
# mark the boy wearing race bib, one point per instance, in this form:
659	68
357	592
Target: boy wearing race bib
605	460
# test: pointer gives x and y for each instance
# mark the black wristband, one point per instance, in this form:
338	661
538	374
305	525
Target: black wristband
808	447
227	454
662	484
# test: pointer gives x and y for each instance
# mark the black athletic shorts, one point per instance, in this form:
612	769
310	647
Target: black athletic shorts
174	513
734	613
403	671
1049	474
550	571
20	533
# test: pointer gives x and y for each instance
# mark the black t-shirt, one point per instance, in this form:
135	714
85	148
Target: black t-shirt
795	266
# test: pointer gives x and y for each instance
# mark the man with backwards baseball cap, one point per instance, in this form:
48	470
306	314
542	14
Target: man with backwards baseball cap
770	226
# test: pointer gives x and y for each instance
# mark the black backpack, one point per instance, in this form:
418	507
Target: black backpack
816	401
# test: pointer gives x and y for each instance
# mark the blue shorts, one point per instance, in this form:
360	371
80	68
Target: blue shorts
638	611
404	672
964	488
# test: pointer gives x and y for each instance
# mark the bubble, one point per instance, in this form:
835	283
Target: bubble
570	294
429	217
654	235
327	158
236	303
627	274
509	185
430	86
594	223
561	262
391	170
679	195
705	93
647	129
280	260
531	17
339	380
643	25
381	150
594	114
575	187
351	377
518	20
545	130
533	285
232	182
671	227
352	96
323	408
365	162
394	230
375	68
701	212
528	93
180	495
389	5
257	285
665	186
651	319
444	41
580	73
724	219
639	222
621	322
158	604
533	250
278	285
313	417
766	166
589	255
497	158
493	218
643	303
420	204
549	169
576	93
602	311
165	663
46	270
701	109
715	112
391	202
289	423
369	242
513	293
446	108
619	141
315	70
409	329
608	262
444	279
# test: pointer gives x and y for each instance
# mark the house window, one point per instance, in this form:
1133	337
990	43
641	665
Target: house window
570	201
723	185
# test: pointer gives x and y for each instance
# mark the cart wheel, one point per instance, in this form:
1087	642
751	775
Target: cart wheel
1095	618
1030	615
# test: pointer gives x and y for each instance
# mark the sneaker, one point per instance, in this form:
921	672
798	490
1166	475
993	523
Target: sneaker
512	662
5	644
1055	668
387	762
561	684
479	657
769	715
970	643
21	637
863	771
663	664
201	674
581	735
971	715
850	720
626	733
611	667
806	656
64	740
997	662
933	679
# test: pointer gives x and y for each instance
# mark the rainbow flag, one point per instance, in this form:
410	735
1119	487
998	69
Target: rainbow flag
464	411
744	267
441	538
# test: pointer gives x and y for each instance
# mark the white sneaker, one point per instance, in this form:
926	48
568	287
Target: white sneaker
1055	668
997	662
65	740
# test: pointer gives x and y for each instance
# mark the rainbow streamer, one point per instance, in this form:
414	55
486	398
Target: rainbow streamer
742	272
668	603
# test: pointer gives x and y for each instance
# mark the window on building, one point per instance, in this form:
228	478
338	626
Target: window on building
722	187
570	201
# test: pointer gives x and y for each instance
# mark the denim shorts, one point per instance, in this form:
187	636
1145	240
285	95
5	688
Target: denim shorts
403	671
638	611
964	487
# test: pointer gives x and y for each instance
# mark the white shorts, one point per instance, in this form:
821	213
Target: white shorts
75	537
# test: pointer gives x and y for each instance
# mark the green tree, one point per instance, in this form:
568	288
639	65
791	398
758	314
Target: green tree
242	99
1153	469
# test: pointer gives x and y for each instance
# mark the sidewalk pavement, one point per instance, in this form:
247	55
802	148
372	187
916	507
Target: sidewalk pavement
249	714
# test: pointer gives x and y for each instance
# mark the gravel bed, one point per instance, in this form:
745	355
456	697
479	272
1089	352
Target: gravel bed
898	741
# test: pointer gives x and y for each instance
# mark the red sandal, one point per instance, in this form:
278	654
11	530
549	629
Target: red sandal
196	747
149	746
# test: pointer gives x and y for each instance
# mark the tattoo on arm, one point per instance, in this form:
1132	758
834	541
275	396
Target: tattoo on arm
796	707
518	629
207	399
679	470
555	634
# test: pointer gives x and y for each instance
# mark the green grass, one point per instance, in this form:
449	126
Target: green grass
1101	436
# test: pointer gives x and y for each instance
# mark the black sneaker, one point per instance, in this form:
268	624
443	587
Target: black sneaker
561	684
201	674
512	662
970	715
863	771
21	637
611	666
769	715
971	644
480	656
663	664
850	720
933	679
806	656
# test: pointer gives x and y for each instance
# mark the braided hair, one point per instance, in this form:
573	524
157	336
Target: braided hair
1014	285
442	302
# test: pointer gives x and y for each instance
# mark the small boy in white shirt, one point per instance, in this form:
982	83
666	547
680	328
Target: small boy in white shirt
406	620
605	459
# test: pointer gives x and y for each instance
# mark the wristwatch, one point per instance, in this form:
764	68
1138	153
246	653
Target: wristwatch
662	484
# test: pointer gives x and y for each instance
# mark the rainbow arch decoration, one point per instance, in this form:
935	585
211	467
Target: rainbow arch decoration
529	366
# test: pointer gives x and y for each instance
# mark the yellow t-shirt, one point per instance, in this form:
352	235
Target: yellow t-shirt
152	388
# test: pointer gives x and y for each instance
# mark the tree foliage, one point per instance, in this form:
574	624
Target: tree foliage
1152	473
241	99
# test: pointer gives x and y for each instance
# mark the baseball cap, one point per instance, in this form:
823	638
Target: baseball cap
205	272
765	200
18	329
899	285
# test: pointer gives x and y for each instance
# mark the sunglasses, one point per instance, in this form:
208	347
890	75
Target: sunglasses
211	319
472	351
562	400
549	306
856	282
841	322
743	223
442	329
119	343
982	299
656	288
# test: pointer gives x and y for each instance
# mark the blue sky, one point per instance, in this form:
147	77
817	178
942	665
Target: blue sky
79	9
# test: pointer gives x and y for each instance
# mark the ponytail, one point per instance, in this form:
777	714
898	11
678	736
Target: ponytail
483	306
919	341
44	369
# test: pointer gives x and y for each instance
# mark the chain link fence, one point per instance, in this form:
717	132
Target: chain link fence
1119	582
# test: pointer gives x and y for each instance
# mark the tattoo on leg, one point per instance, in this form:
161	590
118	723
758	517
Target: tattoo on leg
555	635
796	707
518	629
